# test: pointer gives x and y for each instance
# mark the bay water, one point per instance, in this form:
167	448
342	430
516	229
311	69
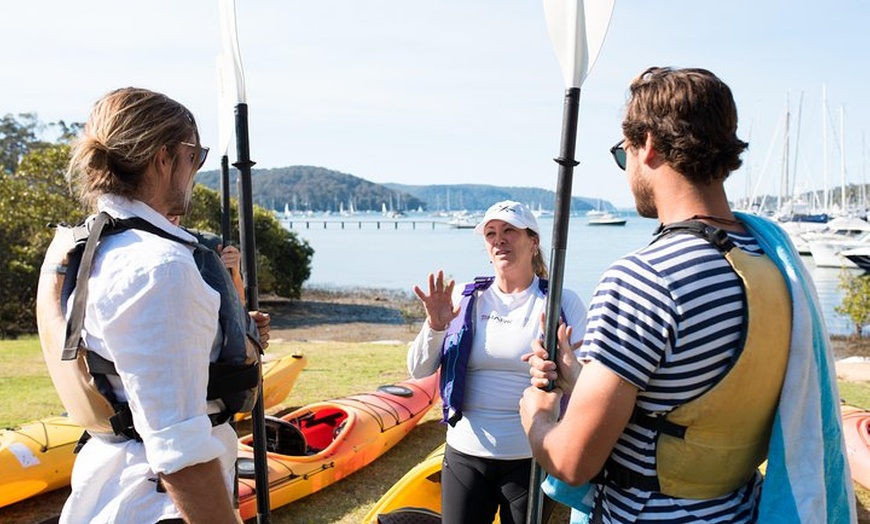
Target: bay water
373	251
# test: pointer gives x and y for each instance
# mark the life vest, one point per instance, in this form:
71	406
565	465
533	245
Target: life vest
713	445
81	376
456	348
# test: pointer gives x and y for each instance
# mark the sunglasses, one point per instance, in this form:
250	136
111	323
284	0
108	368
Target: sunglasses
203	153
618	152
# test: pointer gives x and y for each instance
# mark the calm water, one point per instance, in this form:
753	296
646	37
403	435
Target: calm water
374	252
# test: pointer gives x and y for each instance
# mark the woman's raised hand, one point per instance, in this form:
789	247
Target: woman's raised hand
438	303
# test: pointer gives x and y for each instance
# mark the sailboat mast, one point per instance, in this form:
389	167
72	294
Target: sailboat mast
797	142
784	176
863	174
825	144
843	158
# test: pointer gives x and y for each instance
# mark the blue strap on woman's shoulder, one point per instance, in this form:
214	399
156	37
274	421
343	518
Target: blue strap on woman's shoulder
457	348
455	351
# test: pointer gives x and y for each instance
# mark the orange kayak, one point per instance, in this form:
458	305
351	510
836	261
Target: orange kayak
38	457
856	432
321	443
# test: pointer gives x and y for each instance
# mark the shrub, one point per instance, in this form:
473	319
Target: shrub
856	300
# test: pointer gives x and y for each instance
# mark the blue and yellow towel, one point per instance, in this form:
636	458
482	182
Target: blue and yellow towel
807	478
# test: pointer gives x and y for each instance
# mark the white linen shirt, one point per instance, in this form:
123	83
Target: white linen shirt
148	311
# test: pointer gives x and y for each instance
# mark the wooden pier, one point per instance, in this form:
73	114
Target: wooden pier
297	223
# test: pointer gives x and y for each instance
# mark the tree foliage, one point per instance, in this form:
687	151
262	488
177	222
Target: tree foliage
283	259
856	300
34	194
20	136
17	137
31	199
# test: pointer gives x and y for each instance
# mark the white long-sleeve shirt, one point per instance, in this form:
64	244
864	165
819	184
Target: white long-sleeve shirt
149	312
504	326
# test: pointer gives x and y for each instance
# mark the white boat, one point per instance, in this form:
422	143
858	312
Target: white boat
796	232
827	252
463	220
596	212
541	212
860	256
837	231
607	219
346	212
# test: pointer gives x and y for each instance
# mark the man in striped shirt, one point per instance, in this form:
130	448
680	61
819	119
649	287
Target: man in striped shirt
666	324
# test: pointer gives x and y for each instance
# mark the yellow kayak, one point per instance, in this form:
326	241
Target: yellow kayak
279	376
38	457
416	497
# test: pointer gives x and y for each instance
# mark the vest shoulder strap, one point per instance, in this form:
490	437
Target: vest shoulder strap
716	236
469	294
103	222
102	225
478	284
483	283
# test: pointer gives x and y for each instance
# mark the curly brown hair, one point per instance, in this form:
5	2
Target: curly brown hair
691	118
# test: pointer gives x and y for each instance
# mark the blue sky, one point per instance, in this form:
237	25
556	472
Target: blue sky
456	91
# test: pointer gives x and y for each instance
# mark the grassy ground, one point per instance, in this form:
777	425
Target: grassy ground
336	368
25	388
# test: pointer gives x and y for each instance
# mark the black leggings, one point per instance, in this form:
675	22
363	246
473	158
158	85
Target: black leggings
473	489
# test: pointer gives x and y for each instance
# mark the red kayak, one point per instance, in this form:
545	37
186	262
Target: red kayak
856	431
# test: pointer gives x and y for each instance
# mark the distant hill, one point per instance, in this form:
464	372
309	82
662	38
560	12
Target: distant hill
480	197
309	188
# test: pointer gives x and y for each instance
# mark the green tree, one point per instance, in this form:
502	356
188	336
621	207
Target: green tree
856	300
34	194
31	199
283	259
18	136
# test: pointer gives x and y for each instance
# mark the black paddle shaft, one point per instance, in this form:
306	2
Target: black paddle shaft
561	218
246	239
226	235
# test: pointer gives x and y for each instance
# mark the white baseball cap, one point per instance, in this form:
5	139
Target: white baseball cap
514	213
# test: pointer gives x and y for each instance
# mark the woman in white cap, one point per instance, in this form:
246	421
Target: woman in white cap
476	335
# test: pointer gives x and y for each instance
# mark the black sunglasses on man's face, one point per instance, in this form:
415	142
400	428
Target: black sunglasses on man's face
618	152
203	153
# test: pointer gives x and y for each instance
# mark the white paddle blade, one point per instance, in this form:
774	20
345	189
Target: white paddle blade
231	45
577	29
226	119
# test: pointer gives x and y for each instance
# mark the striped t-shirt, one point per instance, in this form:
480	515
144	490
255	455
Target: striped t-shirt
668	319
